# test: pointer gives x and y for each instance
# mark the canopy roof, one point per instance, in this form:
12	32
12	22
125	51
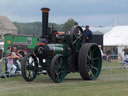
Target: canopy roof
117	36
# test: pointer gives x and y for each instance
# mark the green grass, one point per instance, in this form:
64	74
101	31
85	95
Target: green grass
112	82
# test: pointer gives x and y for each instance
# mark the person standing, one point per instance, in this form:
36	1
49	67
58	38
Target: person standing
11	67
16	58
88	34
100	47
6	59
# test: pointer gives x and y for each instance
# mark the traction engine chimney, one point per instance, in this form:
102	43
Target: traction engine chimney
45	14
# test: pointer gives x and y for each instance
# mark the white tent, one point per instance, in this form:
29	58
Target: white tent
118	36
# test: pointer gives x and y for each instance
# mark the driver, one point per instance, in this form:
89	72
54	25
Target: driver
74	29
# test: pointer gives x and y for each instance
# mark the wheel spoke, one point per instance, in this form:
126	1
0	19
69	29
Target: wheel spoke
94	50
58	66
94	68
91	73
30	74
27	62
61	61
89	56
96	58
58	76
57	63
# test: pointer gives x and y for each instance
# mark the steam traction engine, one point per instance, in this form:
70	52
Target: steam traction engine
68	54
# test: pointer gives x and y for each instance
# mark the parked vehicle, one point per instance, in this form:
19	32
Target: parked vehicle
24	43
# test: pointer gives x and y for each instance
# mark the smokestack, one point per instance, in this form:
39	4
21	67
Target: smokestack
45	14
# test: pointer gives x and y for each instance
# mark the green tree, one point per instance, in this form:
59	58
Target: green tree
35	28
29	28
68	25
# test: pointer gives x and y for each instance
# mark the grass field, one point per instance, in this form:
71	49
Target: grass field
112	82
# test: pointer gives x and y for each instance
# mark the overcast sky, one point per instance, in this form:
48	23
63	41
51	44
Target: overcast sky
91	12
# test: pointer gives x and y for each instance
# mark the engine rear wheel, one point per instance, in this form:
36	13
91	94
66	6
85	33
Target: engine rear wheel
89	61
29	67
58	68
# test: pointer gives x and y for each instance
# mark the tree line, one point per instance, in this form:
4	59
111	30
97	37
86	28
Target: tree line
35	28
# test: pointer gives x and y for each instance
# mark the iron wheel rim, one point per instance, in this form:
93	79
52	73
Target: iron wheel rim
60	69
94	62
30	68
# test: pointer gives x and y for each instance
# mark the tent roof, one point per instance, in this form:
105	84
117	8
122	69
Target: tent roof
117	36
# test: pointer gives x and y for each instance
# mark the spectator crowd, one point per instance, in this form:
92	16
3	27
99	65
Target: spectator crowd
12	60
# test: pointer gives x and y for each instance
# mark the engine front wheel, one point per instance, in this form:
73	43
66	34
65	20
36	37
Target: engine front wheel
29	67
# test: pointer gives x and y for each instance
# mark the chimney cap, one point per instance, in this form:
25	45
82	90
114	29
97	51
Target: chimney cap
45	9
